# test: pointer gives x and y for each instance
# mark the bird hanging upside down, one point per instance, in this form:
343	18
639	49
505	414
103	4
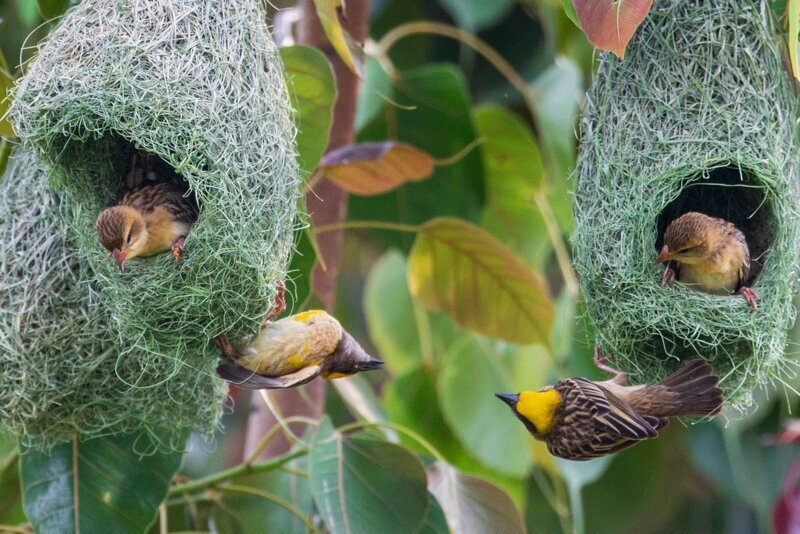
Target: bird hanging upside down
153	215
580	419
710	255
292	351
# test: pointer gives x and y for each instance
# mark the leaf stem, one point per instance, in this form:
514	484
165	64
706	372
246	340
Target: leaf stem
273	432
21	529
460	154
215	479
289	507
399	428
383	46
556	238
373	225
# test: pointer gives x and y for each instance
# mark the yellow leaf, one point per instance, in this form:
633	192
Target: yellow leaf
326	11
459	268
794	15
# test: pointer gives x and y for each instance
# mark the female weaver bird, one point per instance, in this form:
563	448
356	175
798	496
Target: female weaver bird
292	351
710	255
580	419
153	215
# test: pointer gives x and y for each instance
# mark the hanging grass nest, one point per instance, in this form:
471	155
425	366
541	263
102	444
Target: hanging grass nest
200	85
699	116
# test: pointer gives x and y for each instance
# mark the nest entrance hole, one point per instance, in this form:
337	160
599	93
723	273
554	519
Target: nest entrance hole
730	193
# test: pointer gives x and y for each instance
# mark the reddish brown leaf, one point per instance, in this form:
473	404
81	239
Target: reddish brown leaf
373	168
610	24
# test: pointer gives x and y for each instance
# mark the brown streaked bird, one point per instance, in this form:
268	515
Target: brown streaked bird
580	419
147	220
709	254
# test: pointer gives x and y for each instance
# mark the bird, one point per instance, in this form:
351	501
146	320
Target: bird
580	419
293	351
151	217
709	254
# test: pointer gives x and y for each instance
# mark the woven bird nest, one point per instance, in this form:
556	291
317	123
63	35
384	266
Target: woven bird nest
200	85
699	116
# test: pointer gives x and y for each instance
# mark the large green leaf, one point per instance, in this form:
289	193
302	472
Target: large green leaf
395	327
51	8
569	9
514	173
434	117
458	268
510	153
360	485
475	15
474	370
313	91
471	504
97	485
11	511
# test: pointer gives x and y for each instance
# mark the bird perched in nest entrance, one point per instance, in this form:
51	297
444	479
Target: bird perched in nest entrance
292	351
709	254
580	419
153	215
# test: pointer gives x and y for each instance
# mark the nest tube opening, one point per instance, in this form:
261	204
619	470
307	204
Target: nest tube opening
734	194
663	134
113	78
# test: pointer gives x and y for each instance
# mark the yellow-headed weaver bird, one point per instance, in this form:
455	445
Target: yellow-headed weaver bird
709	254
148	219
292	351
580	419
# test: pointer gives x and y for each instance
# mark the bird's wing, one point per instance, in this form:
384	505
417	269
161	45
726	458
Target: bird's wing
744	268
162	195
610	413
243	378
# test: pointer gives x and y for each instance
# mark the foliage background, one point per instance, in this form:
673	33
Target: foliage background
440	96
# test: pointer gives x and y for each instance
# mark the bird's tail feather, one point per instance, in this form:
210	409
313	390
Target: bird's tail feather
690	391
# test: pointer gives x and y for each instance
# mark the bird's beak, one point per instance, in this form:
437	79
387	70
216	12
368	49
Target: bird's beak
665	255
372	364
120	256
509	398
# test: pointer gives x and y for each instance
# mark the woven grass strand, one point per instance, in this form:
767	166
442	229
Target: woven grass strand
200	84
701	97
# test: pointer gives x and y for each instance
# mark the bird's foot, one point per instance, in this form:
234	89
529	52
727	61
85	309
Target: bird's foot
750	296
280	302
600	361
669	276
177	248
225	345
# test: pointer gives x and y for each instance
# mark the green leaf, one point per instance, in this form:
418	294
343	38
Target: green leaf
471	504
6	84
300	268
244	510
569	9
475	15
793	11
473	371
11	511
329	19
50	9
435	522
359	485
98	485
313	90
374	168
514	172
510	153
458	268
392	328
375	88
610	24
436	118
